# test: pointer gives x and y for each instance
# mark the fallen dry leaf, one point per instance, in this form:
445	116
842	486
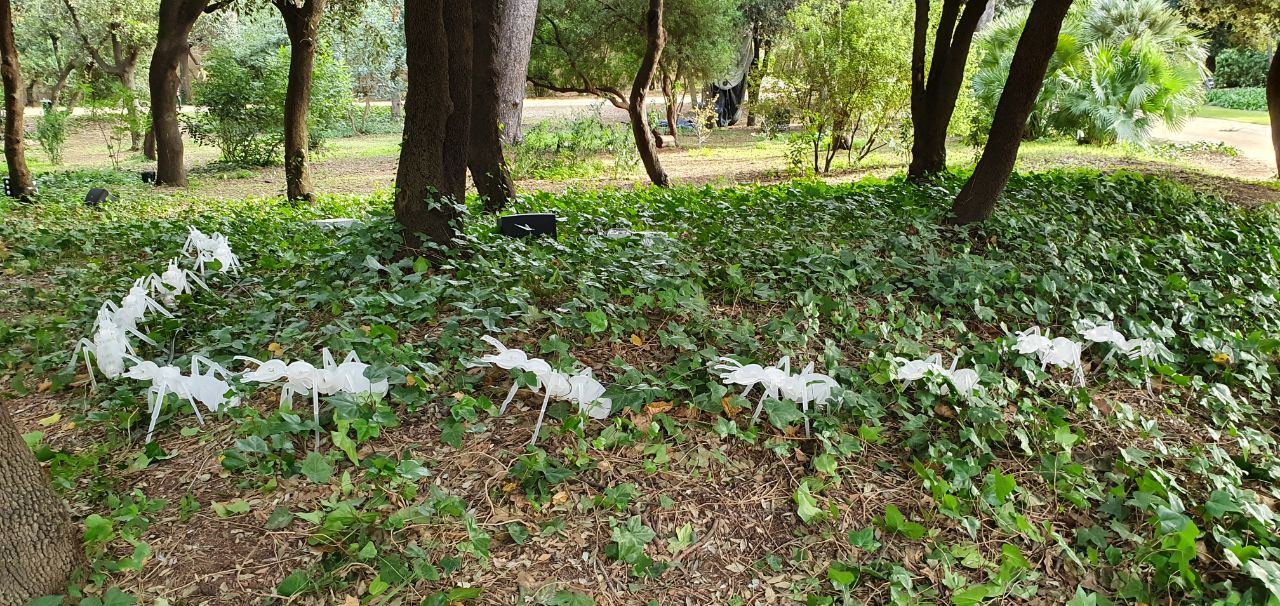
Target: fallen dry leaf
654	408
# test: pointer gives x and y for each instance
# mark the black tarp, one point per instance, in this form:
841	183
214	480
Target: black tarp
729	103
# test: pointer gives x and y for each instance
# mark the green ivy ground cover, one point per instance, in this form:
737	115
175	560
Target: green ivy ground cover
1035	491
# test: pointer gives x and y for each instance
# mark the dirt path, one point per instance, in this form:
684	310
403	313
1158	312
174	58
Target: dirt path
1253	141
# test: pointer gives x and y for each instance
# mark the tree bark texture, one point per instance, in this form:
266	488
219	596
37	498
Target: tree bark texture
15	154
488	166
1273	104
431	178
176	19
39	546
302	23
516	22
656	38
933	101
977	199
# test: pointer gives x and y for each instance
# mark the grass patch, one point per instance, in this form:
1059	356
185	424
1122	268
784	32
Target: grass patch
1235	115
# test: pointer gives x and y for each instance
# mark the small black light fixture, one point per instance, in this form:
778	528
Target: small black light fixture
8	187
148	176
527	224
97	196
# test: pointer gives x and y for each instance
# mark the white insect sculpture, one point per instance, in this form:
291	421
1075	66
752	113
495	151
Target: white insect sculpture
174	281
110	346
964	380
807	387
1059	351
303	378
203	388
211	248
1134	349
581	389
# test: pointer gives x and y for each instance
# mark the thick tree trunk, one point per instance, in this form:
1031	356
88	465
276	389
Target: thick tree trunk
15	154
431	179
488	167
38	546
176	19
934	101
516	23
977	199
302	23
1273	104
656	38
669	97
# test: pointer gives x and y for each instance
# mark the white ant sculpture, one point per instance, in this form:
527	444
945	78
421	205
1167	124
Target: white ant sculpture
807	387
175	281
303	378
964	380
582	389
135	306
203	388
1059	351
211	248
110	346
1134	349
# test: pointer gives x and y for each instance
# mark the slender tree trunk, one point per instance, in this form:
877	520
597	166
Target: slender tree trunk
302	23
1273	103
933	102
488	166
669	96
15	154
39	546
977	199
131	106
516	23
431	179
656	38
185	76
149	144
176	18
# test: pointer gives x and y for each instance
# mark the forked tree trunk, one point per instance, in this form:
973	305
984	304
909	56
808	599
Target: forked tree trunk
516	22
39	546
656	38
176	18
431	179
1273	104
123	64
302	23
977	199
15	154
933	102
488	167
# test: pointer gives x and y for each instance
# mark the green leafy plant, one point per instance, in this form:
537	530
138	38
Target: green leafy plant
52	130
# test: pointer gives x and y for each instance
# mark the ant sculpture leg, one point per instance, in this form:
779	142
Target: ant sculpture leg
84	346
542	413
804	407
315	413
154	403
515	386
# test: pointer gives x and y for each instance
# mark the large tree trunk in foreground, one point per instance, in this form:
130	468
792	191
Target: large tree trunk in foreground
934	101
656	38
516	24
1273	104
302	24
1026	75
38	544
15	154
431	180
488	167
176	19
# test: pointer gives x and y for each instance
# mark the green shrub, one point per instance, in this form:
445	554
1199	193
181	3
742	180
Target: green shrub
243	96
365	120
1240	68
572	147
1254	99
51	131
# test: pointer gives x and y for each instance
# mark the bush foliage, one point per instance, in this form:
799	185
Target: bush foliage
1241	68
1253	99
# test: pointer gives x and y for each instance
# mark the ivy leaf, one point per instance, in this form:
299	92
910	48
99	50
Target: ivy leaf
782	412
317	468
807	505
279	518
972	595
569	598
631	537
292	584
599	322
345	443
